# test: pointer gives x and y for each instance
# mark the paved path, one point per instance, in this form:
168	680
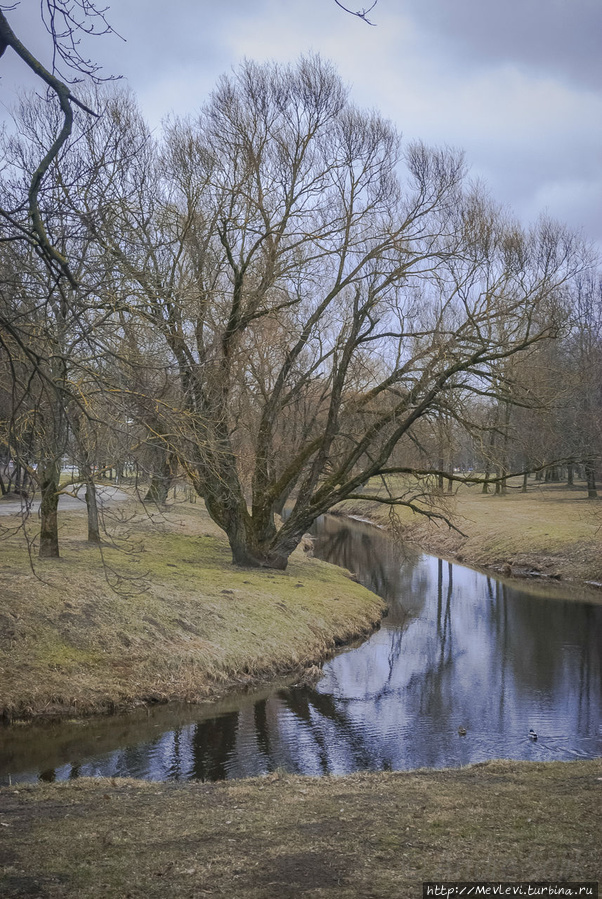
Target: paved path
106	494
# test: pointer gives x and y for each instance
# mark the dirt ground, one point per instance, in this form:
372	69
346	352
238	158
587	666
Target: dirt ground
366	835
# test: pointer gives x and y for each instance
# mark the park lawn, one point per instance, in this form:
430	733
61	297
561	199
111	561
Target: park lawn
552	529
369	835
179	622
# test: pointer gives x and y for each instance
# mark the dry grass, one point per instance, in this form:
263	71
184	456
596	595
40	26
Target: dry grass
71	645
368	835
552	529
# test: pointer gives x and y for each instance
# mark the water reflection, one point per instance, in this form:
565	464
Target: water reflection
458	649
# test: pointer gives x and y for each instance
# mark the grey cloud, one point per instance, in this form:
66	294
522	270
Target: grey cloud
555	36
513	83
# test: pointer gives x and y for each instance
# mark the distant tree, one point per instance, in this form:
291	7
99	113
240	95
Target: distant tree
582	417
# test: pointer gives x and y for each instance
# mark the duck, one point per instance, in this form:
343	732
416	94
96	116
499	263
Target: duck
532	735
462	731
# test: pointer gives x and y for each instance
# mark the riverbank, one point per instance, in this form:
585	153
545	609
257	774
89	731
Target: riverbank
551	533
372	835
180	623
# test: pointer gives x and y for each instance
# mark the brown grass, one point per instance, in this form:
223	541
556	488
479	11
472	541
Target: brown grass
366	835
552	531
69	644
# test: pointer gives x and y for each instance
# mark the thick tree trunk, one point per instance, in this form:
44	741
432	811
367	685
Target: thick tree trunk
157	491
49	532
254	540
274	555
255	547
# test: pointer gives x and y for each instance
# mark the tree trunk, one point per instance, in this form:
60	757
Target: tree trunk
254	540
590	474
485	487
505	464
488	460
92	507
161	479
49	533
570	475
251	549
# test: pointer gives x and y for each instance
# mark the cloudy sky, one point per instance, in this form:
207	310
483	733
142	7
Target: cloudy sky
517	85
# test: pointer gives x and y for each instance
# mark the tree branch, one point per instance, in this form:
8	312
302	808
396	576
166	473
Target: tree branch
9	39
360	13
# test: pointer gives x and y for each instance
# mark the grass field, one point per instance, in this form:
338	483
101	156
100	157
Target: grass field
552	529
181	623
184	623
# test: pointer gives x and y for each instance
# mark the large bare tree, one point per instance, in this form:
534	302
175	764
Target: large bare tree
386	290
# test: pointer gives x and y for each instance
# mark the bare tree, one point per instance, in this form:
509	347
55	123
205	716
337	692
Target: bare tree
54	333
280	218
65	21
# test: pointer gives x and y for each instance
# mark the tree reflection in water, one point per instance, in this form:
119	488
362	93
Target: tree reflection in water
457	649
213	743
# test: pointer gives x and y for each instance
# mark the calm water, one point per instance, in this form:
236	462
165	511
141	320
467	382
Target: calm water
458	649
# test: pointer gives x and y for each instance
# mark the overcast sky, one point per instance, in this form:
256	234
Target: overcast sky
517	85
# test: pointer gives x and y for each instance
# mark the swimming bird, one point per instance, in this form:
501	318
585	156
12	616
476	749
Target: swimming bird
532	735
462	731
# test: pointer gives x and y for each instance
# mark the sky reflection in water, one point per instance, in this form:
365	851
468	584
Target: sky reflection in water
458	649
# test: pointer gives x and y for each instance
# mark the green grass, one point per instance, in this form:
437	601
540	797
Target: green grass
186	624
368	835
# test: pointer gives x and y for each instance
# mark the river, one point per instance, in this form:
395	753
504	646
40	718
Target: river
463	668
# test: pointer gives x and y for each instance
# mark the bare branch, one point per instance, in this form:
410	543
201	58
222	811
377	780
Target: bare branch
360	13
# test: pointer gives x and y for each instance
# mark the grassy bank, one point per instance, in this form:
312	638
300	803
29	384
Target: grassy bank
551	531
185	625
369	835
